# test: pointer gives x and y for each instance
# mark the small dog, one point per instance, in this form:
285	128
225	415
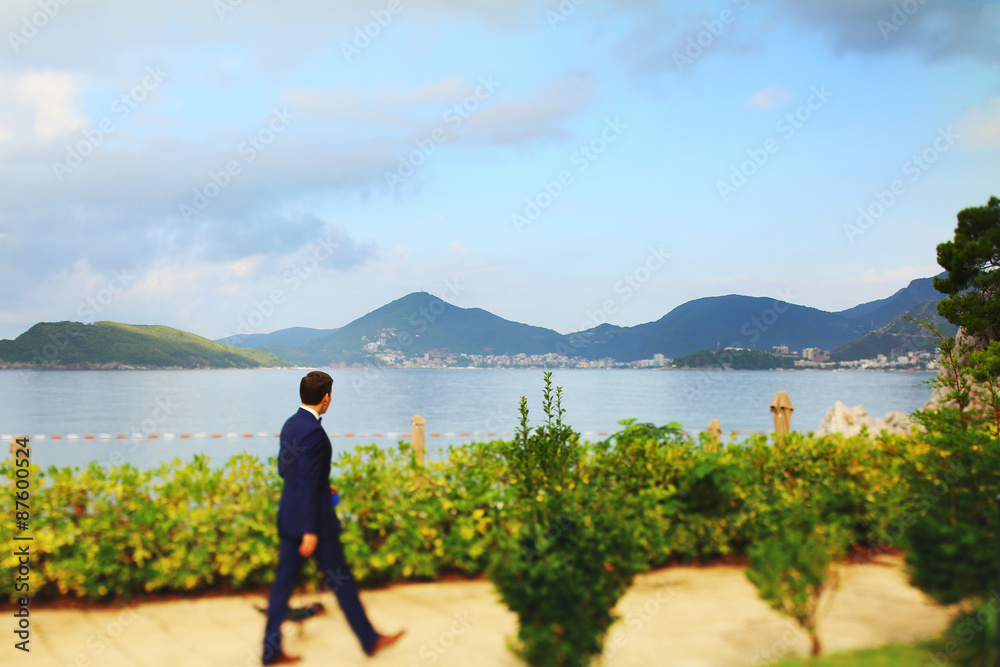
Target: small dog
299	614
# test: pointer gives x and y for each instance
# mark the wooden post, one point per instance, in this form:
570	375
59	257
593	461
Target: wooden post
714	436
781	409
14	446
417	437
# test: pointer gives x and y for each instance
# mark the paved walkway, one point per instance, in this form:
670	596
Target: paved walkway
677	617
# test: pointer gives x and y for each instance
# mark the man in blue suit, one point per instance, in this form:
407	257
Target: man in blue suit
308	524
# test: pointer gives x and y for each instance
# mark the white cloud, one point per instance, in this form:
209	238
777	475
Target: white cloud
476	112
540	115
767	98
344	106
52	98
244	268
163	279
981	125
442	92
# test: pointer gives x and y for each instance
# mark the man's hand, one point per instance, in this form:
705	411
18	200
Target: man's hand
333	490
308	545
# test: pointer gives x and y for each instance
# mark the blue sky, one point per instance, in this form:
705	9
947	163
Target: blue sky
226	166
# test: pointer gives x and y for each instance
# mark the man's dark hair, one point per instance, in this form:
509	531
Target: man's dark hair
314	386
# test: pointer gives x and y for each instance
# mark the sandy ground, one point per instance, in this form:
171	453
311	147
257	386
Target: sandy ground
680	616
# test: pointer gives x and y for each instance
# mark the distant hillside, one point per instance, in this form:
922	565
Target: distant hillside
419	323
285	337
422	323
874	314
717	322
899	336
115	345
744	322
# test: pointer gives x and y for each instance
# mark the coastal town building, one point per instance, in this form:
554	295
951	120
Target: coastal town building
815	354
383	351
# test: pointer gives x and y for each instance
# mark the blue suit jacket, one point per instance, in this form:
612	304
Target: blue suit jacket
304	465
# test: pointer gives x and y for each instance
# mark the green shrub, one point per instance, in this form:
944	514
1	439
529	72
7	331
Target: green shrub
951	546
567	546
793	560
113	532
404	520
190	526
952	469
971	638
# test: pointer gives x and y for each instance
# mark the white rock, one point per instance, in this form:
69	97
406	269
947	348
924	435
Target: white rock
894	422
845	420
849	421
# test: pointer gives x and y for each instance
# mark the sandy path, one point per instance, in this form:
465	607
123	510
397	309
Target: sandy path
680	616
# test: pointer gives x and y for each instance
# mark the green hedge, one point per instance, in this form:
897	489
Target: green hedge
101	533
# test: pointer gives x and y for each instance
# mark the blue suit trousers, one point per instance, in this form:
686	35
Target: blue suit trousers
329	555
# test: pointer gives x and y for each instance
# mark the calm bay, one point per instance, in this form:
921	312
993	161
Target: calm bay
245	408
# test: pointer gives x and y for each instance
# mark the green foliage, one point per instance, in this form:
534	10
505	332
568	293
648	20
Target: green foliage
971	638
566	549
698	504
109	344
824	494
403	520
683	498
542	461
646	497
739	360
893	655
973	282
951	545
810	500
114	532
792	561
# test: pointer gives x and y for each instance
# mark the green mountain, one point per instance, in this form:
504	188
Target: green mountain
745	322
422	323
115	345
875	314
419	323
718	322
898	337
288	337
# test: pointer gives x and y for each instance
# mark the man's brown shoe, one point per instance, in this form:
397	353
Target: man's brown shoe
284	659
384	641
